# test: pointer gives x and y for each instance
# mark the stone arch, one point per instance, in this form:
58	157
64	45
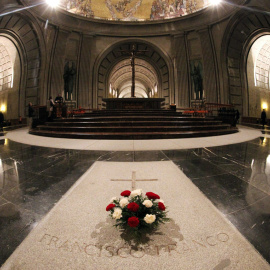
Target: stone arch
10	75
113	55
145	81
244	28
5	68
19	29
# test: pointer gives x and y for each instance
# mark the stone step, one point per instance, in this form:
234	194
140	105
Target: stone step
140	124
133	135
133	118
132	128
128	114
132	123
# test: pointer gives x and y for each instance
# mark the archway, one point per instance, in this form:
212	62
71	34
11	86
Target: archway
244	28
10	76
151	72
145	80
258	75
24	35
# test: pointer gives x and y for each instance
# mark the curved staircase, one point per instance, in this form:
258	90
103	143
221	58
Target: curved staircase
132	124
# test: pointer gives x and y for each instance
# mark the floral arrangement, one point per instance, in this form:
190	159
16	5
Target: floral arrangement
136	212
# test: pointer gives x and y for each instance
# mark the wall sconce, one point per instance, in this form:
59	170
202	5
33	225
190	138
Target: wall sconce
3	108
264	105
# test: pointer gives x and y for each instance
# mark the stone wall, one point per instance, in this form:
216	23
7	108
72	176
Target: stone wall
210	36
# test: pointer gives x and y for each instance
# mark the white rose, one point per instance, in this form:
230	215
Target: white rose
113	199
148	203
123	202
117	214
136	192
159	200
149	218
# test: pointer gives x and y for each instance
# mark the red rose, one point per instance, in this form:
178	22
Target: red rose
133	222
110	206
152	195
125	193
161	206
133	207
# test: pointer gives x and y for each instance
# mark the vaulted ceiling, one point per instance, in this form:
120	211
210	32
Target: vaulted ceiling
145	78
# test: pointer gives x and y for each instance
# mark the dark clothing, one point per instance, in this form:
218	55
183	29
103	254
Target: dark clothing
1	118
30	111
263	117
236	118
59	99
1	121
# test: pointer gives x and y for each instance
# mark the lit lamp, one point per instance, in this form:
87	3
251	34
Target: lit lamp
3	108
264	105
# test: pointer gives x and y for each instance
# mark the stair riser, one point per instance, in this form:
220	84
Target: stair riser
129	129
134	136
128	124
130	119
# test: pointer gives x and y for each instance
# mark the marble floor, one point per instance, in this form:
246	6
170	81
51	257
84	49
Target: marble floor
233	174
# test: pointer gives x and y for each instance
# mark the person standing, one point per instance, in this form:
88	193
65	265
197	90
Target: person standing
236	117
30	114
58	104
58	99
50	108
1	121
263	117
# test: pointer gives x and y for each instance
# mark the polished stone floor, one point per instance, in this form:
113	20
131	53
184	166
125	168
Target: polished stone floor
236	178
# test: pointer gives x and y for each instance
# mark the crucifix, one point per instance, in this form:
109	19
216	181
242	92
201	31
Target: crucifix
133	52
133	180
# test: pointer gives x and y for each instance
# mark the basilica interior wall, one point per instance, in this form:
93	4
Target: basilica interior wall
215	48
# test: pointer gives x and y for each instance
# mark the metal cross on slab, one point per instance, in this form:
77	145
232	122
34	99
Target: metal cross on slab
133	180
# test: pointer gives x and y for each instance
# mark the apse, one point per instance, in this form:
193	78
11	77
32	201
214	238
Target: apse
114	72
120	80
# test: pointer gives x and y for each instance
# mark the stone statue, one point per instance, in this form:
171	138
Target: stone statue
69	79
198	81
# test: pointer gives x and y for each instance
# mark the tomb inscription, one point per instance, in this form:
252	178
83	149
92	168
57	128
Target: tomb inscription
123	250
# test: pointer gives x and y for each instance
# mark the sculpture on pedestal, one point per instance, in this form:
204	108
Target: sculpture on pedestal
197	78
69	79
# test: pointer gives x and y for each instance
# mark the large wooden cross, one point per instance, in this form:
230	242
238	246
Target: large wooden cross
133	180
133	52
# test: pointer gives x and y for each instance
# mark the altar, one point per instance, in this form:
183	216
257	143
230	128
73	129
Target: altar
134	103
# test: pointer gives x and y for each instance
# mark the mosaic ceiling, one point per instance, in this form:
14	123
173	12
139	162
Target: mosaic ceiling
133	10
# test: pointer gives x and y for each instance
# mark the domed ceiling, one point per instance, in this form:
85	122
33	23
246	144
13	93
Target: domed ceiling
133	10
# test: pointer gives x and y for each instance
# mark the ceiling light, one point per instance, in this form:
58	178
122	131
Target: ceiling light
53	3
215	2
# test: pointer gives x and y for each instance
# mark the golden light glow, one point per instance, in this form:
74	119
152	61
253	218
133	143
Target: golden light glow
264	105
3	108
53	3
215	2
